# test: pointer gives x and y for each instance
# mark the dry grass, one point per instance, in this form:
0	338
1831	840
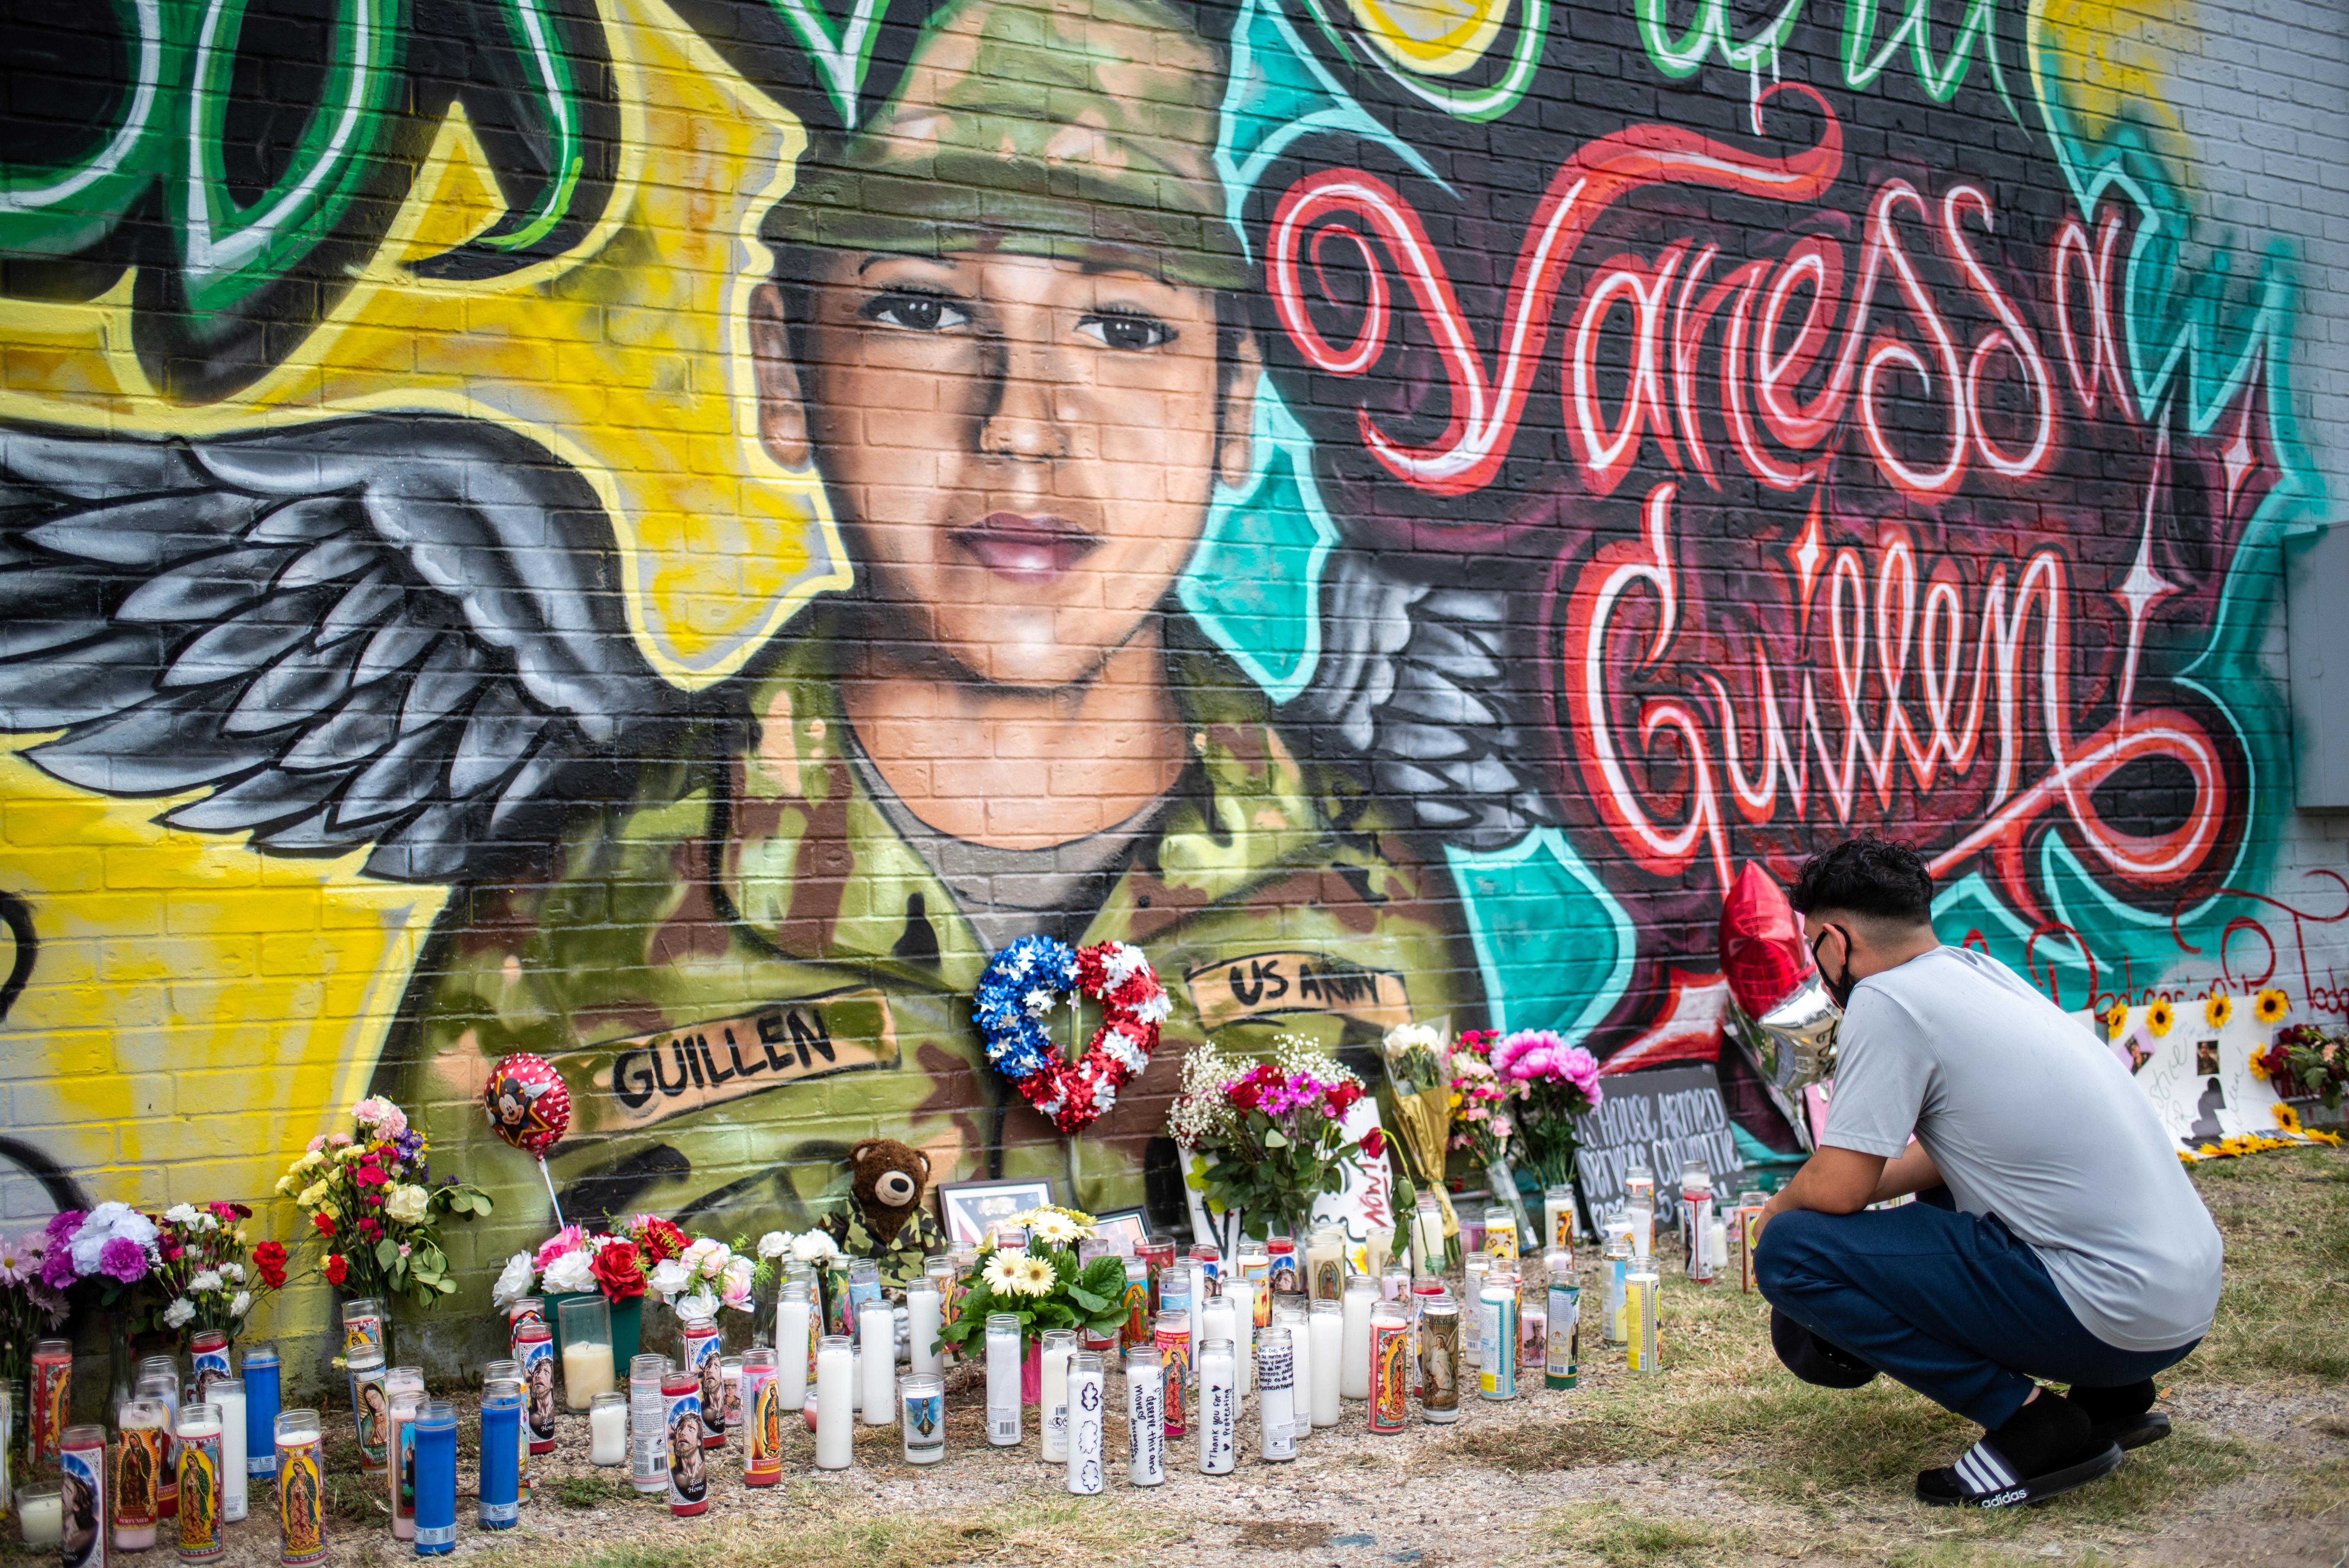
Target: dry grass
2284	1316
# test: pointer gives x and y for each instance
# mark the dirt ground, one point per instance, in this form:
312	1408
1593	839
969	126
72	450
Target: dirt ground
1722	1458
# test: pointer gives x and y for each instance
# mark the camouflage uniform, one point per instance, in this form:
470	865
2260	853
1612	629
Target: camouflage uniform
745	970
902	1257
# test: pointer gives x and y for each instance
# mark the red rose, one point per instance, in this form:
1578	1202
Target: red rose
1342	1098
338	1268
269	1258
1374	1144
620	1269
660	1240
325	1226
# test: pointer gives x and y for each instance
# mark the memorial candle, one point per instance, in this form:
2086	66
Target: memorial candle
697	1353
835	1367
1557	1217
52	1398
1696	1223
1281	1266
260	1413
1354	1364
1220	1406
1173	1346
158	1378
228	1393
877	1326
1136	1330
587	1365
1230	1317
1275	1404
647	1437
1473	1273
922	1404
1325	1323
689	1445
1389	1367
301	1495
399	1474
1087	1399
198	1428
765	1416
1291	1315
1500	1233
1440	1360
1060	1347
607	1428
1003	1355
1560	1366
1643	1353
145	1427
535	1349
1640	1199
369	1408
925	1317
1616	1266
1427	1235
435	1526
1325	1264
85	1519
499	1483
40	1514
1496	1367
1146	1416
794	1325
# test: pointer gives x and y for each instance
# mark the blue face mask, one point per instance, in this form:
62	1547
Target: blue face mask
1839	990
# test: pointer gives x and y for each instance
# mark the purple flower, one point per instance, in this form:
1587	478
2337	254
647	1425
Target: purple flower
57	1270
123	1260
62	1227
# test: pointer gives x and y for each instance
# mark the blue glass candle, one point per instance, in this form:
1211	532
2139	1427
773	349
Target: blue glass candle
501	1455
261	1412
436	1479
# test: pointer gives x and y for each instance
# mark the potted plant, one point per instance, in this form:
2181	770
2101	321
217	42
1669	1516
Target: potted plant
572	1263
1271	1132
1045	1285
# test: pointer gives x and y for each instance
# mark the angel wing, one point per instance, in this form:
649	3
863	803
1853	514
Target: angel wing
1413	679
402	631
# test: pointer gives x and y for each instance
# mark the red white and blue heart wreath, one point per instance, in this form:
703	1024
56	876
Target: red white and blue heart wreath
1022	986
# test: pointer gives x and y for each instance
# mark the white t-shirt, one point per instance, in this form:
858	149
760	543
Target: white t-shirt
2029	1117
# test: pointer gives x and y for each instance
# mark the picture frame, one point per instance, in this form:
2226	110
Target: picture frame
1126	1229
968	1210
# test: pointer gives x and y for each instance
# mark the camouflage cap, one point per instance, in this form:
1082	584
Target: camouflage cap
1083	129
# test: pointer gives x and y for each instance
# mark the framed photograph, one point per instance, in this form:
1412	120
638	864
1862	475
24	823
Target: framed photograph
1128	1228
968	1210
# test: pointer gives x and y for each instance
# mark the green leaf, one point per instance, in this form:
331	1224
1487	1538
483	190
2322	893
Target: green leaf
387	1253
1090	1303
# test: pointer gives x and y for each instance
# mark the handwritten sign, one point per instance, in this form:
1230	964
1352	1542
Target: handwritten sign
1658	1119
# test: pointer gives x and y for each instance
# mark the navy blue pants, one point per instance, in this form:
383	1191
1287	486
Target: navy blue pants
1950	1304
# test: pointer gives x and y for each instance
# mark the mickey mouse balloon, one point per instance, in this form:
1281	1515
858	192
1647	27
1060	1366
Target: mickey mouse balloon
527	1103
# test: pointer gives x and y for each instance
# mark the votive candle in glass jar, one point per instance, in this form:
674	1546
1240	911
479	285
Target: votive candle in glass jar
795	1326
1325	1264
535	1349
925	1318
436	1479
498	1484
1473	1272
607	1428
764	1416
261	1395
1497	1365
1389	1367
647	1437
399	1474
228	1393
145	1427
1275	1394
81	1467
52	1399
1441	1364
362	1328
835	1370
198	1428
728	1421
1228	1315
1325	1324
1060	1346
688	1463
1088	1401
301	1499
1354	1363
876	1327
1643	1354
697	1353
1500	1233
1557	1217
40	1514
922	1416
1639	1200
369	1408
1137	1304
588	1368
1291	1315
1003	1356
1172	1340
1219	1403
1146	1416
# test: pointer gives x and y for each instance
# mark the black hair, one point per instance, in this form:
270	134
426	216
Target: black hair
1873	878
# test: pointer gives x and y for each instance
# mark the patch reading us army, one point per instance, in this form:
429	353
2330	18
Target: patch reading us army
639	1082
1265	982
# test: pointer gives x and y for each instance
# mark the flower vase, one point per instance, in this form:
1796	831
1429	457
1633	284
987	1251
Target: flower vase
121	1363
1031	1374
628	1324
1502	1178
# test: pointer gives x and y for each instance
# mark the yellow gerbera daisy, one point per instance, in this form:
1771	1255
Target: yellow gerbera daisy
2271	1006
2216	1008
2285	1117
2159	1016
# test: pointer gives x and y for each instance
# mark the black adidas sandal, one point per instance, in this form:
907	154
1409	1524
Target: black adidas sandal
1981	1479
2134	1431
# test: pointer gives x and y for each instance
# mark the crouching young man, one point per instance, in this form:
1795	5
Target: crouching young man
2056	1236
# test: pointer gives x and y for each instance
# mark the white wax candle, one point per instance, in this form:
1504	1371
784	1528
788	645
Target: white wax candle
1221	1319
233	1491
877	1322
607	1434
1276	1406
1003	1351
1327	1329
1219	1408
791	1352
925	1312
1354	1365
1718	1242
1300	1372
1203	1287
1145	1423
836	1373
1055	1401
42	1519
1087	1394
587	1372
855	1377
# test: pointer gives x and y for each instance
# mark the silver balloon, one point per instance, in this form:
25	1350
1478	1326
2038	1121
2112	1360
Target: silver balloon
1791	1046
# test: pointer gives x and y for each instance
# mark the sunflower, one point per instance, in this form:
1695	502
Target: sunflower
2116	1017
2271	1007
2216	1008
2158	1017
2285	1117
2259	1066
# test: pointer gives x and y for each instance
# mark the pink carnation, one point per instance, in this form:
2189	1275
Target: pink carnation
569	1239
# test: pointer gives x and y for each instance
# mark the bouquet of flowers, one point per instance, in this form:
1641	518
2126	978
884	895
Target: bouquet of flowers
202	1271
1481	1123
110	1252
29	1308
572	1263
2305	1060
1553	1084
1272	1132
1045	1286
368	1194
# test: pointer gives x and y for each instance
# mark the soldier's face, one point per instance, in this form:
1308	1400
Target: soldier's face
1024	448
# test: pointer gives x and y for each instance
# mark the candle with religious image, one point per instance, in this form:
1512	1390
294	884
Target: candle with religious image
1561	1367
158	1378
764	1417
1558	1218
1441	1364
698	1352
1533	1332
201	1459
86	1516
922	1416
1219	1407
52	1398
144	1426
1137	1304
1087	1411
207	1360
1173	1342
535	1349
1146	1416
1157	1255
1325	1264
362	1328
370	1410
301	1496
1281	1266
1389	1402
